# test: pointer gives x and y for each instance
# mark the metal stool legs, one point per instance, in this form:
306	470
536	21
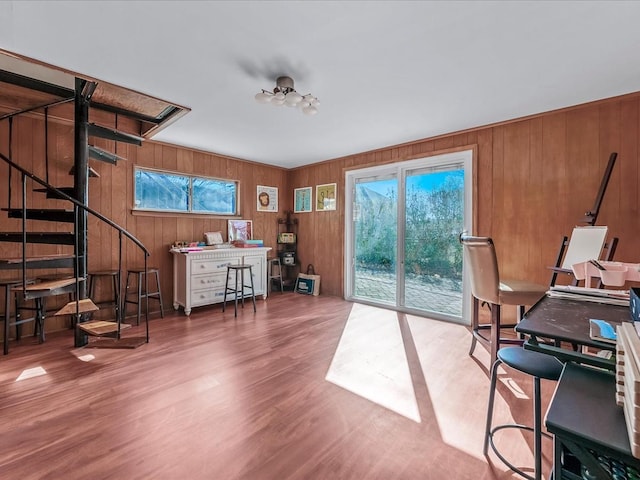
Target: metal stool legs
275	262
17	316
140	294
537	365
536	429
115	302
239	289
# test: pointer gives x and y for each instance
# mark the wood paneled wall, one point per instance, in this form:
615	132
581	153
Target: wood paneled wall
536	178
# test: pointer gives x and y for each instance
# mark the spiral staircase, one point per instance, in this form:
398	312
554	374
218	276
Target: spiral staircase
70	212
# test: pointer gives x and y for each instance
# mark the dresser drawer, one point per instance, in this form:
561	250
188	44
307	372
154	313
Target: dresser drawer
205	297
208	281
211	266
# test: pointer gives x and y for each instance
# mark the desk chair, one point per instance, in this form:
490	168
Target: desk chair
538	365
487	286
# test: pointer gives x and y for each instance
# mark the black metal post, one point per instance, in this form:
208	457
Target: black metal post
81	188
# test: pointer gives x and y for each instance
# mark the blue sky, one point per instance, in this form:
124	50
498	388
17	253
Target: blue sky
426	182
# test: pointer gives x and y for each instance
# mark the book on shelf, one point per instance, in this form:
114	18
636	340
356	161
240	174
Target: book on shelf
246	245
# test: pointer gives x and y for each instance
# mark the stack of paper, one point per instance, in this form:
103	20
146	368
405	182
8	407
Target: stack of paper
628	381
598	295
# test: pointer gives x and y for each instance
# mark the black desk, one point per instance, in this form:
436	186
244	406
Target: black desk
584	417
563	320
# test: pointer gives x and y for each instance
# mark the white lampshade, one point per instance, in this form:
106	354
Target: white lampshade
278	99
310	110
285	94
293	98
263	97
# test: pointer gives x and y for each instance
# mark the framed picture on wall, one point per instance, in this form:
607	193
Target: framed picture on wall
240	230
326	197
267	199
302	200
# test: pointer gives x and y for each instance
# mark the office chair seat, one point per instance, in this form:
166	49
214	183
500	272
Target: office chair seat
520	292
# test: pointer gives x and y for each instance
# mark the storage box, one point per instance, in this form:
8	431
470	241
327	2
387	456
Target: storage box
634	304
288	258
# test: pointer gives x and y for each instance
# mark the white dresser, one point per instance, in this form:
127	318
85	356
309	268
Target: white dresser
199	277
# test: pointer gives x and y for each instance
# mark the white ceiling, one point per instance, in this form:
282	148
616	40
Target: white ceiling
386	72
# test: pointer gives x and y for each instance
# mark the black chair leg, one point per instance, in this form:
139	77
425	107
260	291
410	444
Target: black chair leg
492	395
474	324
226	289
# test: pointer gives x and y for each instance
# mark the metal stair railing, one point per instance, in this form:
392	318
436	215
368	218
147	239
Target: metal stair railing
122	232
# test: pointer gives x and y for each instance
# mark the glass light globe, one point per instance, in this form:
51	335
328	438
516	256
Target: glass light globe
293	98
263	97
315	102
278	99
310	110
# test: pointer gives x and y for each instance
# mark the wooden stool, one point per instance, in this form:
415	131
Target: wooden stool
157	295
239	273
275	262
114	302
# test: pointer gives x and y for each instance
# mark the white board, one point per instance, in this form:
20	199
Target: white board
586	244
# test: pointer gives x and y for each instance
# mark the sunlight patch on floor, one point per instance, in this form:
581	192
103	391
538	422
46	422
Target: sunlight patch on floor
512	385
459	395
31	373
371	362
86	358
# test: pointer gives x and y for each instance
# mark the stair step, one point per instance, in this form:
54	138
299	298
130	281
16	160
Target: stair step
48	288
92	172
99	328
83	306
111	134
48	214
53	238
71	191
104	156
43	261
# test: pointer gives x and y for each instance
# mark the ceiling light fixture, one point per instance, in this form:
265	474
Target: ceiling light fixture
285	94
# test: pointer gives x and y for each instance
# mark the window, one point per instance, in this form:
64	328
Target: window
173	192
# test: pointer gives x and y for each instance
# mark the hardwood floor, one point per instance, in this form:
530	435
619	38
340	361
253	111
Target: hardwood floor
307	388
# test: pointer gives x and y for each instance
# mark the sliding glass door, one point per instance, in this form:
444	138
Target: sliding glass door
375	238
402	248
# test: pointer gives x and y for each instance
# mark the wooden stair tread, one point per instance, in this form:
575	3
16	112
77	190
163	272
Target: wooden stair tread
60	215
43	210
48	285
101	327
52	238
84	306
54	256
